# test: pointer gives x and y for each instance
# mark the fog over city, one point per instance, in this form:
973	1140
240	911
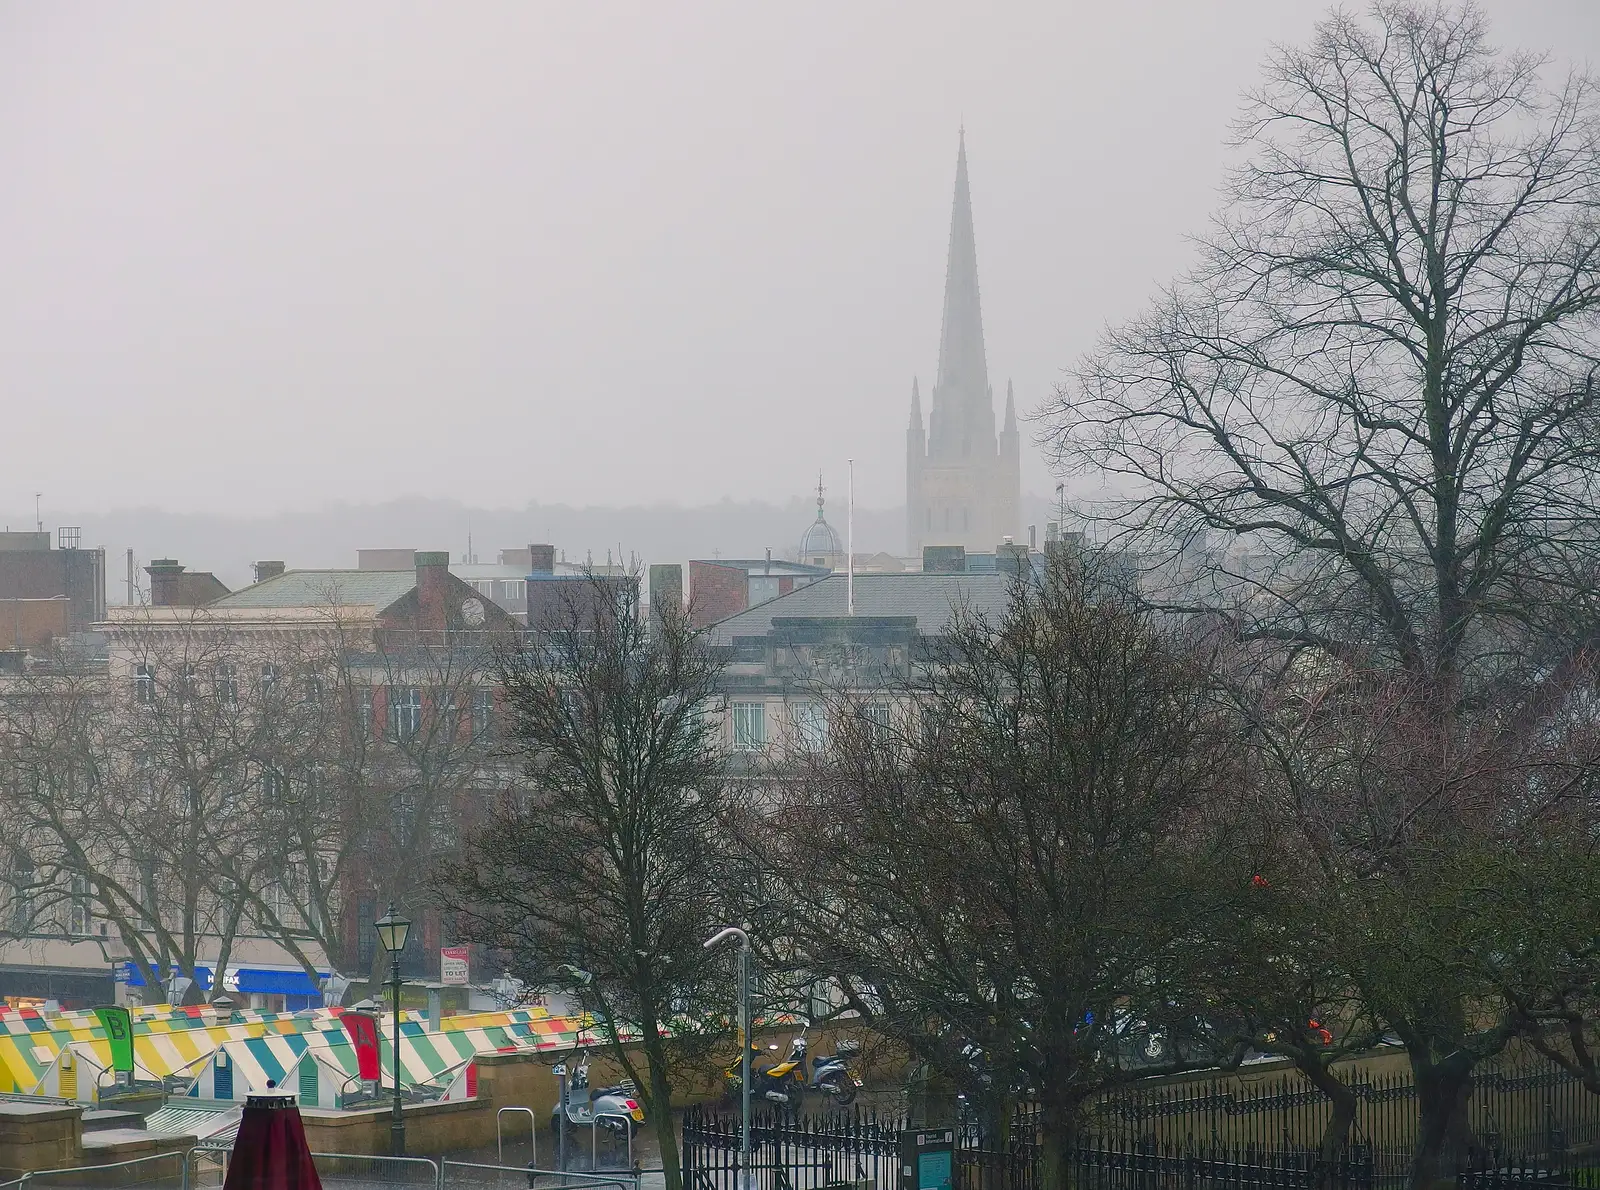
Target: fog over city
263	259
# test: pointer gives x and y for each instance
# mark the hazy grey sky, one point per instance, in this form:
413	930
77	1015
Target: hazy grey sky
257	256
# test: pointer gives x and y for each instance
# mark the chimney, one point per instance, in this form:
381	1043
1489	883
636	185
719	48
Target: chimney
266	570
433	589
166	576
541	559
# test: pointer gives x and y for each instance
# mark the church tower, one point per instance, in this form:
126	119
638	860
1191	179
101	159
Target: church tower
963	483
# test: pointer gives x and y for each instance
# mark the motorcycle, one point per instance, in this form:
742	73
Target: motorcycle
613	1109
787	1082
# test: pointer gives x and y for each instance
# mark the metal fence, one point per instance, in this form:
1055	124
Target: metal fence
208	1169
791	1153
1194	1134
1516	1107
158	1171
205	1167
862	1151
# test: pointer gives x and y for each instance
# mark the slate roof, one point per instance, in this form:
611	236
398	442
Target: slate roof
319	588
931	598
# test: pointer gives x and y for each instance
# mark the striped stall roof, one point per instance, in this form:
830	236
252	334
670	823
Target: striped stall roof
184	1043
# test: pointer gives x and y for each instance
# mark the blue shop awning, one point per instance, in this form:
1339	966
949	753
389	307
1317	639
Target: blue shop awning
267	981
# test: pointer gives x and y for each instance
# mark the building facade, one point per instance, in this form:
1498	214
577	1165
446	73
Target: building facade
963	481
793	664
270	770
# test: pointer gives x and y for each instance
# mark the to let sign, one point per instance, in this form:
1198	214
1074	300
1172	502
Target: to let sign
453	965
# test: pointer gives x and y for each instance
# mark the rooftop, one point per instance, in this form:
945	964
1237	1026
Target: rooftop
765	566
324	588
930	598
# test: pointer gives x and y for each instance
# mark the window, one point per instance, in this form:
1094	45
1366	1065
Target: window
405	711
280	900
315	780
810	720
314	689
749	725
225	683
21	897
269	679
144	773
144	683
482	711
877	716
79	919
274	786
366	936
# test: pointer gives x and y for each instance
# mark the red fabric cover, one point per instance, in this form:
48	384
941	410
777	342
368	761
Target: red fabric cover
271	1152
363	1031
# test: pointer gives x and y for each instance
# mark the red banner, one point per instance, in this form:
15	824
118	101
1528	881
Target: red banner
363	1030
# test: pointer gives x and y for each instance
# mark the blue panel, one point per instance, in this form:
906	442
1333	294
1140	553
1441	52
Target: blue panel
222	1081
279	983
135	978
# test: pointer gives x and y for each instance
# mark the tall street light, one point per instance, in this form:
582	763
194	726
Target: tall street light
744	1043
392	930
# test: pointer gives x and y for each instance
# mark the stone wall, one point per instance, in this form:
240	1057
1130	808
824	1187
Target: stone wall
39	1136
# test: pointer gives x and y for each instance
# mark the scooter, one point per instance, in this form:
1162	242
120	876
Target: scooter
832	1076
612	1109
786	1083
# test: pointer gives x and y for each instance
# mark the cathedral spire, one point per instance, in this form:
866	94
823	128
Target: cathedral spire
916	408
963	417
1010	426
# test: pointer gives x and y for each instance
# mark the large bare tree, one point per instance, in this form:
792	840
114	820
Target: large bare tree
602	871
1376	392
1018	874
1364	426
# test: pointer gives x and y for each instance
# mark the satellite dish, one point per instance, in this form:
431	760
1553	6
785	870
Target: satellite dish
472	612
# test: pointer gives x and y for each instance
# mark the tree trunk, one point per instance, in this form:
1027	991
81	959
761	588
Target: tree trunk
1336	1136
1443	1089
660	1105
1059	1119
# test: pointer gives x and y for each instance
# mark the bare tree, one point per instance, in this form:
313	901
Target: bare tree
1019	872
1365	427
1378	386
603	870
422	762
188	802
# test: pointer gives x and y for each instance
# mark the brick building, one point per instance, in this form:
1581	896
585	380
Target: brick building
31	571
725	587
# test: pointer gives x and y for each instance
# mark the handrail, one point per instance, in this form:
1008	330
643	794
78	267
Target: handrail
575	1181
533	1134
225	1152
181	1154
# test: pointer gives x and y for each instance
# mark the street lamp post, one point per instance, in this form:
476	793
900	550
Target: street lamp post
744	1044
392	930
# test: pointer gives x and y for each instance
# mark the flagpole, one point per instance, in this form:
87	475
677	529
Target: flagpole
850	546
